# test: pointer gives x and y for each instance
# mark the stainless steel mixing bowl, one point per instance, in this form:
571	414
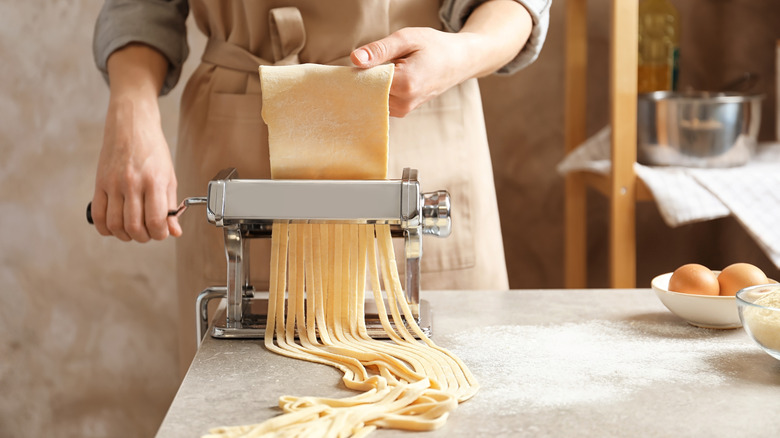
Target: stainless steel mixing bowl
697	129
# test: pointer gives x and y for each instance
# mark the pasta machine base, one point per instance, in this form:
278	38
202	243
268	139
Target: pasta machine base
255	311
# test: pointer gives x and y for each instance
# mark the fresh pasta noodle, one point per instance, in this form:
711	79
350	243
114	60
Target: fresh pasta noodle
317	293
407	383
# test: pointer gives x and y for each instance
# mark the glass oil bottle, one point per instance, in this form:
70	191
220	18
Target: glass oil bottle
659	46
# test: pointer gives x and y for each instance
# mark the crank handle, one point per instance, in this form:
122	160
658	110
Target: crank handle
183	206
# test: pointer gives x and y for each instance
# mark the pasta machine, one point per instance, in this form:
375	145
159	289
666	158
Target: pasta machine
246	209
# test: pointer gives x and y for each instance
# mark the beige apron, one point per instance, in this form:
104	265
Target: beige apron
221	127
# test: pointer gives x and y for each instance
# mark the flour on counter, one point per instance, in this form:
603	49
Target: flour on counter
526	368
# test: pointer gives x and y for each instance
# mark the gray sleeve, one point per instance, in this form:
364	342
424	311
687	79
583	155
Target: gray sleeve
157	23
453	14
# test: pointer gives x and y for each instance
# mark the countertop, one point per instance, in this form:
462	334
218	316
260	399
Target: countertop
551	363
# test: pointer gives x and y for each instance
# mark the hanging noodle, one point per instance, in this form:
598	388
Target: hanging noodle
406	383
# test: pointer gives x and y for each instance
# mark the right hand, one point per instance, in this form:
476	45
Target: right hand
428	62
135	185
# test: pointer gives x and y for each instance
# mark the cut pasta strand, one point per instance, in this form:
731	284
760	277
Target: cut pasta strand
406	383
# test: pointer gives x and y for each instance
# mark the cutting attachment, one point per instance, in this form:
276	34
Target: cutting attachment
247	209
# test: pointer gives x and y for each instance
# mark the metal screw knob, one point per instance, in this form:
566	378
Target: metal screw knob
436	219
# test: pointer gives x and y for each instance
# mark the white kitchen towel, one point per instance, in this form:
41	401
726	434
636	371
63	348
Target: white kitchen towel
686	195
752	194
680	198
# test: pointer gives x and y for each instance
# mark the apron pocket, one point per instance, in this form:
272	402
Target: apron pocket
434	140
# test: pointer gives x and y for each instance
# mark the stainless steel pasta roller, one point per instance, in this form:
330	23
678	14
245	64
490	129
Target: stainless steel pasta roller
246	209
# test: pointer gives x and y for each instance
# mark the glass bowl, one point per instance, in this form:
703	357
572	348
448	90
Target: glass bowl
706	311
761	319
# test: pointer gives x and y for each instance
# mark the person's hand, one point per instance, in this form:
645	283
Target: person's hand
428	62
135	184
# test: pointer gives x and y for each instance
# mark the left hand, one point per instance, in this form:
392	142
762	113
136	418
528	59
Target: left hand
427	63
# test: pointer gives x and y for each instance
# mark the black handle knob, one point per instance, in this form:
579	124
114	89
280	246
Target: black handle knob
89	213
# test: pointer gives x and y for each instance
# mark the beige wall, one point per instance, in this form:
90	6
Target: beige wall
87	344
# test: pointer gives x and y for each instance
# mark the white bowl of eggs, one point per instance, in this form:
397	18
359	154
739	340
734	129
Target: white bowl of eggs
706	298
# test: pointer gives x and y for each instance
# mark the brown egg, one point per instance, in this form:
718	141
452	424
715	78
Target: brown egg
740	275
694	279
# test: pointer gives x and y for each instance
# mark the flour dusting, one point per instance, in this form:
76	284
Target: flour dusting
527	368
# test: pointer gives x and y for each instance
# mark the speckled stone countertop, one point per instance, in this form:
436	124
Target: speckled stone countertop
551	363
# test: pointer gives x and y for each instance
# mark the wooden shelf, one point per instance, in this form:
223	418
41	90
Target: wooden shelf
621	186
601	183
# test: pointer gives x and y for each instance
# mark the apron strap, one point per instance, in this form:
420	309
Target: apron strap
224	54
287	40
288	35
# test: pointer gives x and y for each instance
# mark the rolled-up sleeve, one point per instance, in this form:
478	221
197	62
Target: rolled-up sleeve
454	13
158	23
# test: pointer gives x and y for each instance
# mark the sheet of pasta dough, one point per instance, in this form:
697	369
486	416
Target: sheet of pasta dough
326	122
